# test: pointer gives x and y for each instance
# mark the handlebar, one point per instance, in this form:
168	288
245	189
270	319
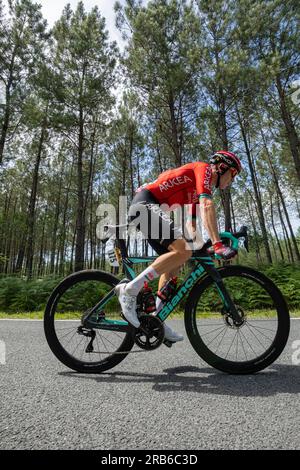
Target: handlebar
225	236
234	237
243	233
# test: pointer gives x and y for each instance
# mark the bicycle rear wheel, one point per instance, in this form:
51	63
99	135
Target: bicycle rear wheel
71	299
261	337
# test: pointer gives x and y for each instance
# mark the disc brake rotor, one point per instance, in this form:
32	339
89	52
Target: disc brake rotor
229	320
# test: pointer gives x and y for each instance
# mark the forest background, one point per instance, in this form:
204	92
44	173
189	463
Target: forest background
85	120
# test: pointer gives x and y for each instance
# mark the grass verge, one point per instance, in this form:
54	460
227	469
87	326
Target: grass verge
177	315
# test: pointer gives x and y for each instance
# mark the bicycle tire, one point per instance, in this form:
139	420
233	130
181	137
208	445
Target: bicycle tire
229	366
51	336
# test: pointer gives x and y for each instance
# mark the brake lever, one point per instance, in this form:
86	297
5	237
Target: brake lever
243	233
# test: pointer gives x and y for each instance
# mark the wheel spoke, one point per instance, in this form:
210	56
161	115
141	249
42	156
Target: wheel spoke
257	301
75	332
80	341
66	334
243	347
103	342
98	345
76	299
212	331
231	345
259	327
221	340
248	343
223	327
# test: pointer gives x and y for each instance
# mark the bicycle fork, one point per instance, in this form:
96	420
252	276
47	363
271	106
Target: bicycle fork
229	305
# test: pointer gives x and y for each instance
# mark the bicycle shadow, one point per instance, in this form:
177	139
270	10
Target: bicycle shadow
277	379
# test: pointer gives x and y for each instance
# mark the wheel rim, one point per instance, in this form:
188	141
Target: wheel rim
67	311
257	334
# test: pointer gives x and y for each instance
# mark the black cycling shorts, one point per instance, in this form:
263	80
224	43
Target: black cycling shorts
157	227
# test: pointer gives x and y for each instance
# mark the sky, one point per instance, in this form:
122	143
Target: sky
52	10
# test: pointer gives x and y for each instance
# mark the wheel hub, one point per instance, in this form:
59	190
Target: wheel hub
231	323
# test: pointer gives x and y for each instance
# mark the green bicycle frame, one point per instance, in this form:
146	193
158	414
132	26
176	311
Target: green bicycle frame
205	265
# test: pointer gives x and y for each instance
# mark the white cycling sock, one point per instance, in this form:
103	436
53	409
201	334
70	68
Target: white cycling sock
134	286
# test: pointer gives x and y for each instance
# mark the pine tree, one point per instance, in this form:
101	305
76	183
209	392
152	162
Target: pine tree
22	38
82	75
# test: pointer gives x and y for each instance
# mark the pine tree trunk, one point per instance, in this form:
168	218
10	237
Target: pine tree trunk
232	212
261	217
174	130
275	231
32	203
80	219
158	155
91	234
65	226
131	130
9	244
41	257
55	224
292	136
71	268
21	255
4	229
257	250
273	244
7	112
285	234
221	102
279	192
297	204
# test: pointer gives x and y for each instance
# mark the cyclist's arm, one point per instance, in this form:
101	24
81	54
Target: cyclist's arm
203	178
208	216
192	227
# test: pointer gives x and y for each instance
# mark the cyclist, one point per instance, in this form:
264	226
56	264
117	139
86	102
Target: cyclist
190	184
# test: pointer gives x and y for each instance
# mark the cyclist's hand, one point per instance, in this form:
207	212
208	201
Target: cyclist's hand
224	251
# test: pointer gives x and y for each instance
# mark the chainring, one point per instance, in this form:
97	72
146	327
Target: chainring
151	333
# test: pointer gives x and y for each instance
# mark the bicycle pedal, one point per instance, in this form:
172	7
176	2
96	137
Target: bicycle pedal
168	343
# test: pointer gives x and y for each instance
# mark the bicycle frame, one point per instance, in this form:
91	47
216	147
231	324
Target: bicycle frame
205	265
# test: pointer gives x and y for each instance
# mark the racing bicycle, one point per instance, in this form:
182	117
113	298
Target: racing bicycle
235	317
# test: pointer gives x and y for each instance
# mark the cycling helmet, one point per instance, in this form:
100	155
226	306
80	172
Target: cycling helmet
225	160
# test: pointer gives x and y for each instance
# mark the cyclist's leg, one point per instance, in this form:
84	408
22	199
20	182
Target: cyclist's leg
163	236
167	265
179	253
173	251
166	276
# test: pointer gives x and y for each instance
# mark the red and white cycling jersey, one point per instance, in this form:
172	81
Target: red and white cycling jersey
183	185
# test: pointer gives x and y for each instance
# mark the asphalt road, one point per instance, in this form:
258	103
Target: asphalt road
166	399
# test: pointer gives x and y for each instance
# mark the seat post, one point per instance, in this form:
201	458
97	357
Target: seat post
121	243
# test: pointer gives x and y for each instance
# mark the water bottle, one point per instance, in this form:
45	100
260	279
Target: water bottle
168	290
148	299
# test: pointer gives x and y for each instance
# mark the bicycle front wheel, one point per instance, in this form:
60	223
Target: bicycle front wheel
264	331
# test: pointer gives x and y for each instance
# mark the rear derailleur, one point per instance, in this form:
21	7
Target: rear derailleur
89	334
